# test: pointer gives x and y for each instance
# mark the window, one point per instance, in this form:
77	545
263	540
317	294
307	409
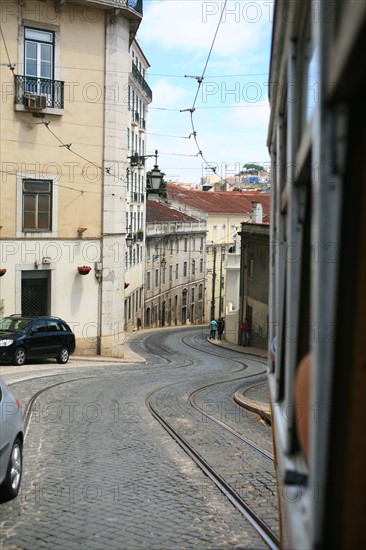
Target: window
201	245
201	265
148	282
251	269
223	234
156	277
200	292
170	273
164	275
37	205
185	244
38	60
214	233
177	244
192	295
193	267
176	271
185	269
193	243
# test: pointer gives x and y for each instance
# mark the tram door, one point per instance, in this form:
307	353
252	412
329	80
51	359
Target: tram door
35	297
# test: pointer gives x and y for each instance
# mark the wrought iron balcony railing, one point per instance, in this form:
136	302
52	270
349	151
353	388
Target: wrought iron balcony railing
136	5
140	79
52	90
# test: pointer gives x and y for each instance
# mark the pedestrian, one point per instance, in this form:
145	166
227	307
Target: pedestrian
245	330
220	327
213	329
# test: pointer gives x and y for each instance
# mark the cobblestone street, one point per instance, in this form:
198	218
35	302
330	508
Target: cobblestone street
101	472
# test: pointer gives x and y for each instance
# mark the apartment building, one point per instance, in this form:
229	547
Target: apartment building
223	212
65	70
139	97
175	267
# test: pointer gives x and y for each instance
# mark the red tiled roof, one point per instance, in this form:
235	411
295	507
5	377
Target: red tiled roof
221	202
160	212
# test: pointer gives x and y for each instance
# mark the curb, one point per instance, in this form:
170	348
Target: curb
257	407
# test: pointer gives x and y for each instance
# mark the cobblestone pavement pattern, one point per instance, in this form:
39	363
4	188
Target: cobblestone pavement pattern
100	472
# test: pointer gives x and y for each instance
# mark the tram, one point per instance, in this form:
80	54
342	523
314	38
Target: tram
317	365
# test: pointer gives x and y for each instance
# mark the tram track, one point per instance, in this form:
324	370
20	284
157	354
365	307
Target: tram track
236	499
224	425
240	503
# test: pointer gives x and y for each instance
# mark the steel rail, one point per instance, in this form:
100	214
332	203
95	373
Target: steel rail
239	503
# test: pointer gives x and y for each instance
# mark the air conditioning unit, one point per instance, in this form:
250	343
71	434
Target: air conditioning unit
34	102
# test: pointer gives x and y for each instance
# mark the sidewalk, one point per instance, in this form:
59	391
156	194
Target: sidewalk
256	399
129	357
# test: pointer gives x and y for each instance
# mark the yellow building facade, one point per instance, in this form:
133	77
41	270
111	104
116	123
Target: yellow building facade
64	115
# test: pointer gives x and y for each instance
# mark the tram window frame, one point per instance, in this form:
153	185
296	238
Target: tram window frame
293	230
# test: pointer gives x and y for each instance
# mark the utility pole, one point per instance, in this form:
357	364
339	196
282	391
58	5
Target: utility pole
213	283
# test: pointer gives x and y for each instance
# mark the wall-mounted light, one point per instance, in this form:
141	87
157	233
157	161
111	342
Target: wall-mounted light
154	178
129	240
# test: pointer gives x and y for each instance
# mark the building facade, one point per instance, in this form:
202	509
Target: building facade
64	152
175	267
254	281
139	97
223	212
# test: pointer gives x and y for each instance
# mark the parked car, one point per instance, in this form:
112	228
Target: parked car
11	444
25	337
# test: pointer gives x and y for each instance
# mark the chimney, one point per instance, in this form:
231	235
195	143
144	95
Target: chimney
257	212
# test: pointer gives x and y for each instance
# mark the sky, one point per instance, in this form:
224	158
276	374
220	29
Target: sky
231	103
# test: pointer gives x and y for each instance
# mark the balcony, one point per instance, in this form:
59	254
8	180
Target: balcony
141	81
135	118
30	87
135	5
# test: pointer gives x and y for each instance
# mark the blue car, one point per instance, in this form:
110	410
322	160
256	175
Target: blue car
25	337
11	444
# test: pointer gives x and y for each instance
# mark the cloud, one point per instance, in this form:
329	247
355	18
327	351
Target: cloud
190	26
168	95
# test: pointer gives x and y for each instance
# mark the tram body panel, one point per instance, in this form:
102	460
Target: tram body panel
317	278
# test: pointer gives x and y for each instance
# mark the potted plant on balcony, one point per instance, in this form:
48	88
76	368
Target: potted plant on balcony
2	271
84	269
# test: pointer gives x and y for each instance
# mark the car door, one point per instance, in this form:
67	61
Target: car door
55	337
37	341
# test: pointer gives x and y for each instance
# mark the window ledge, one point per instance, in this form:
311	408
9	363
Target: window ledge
47	111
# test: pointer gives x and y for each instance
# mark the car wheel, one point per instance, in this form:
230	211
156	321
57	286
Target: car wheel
63	356
19	357
11	484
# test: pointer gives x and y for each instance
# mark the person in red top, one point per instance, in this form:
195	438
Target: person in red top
245	330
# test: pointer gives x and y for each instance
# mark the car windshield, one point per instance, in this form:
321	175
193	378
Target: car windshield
10	323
